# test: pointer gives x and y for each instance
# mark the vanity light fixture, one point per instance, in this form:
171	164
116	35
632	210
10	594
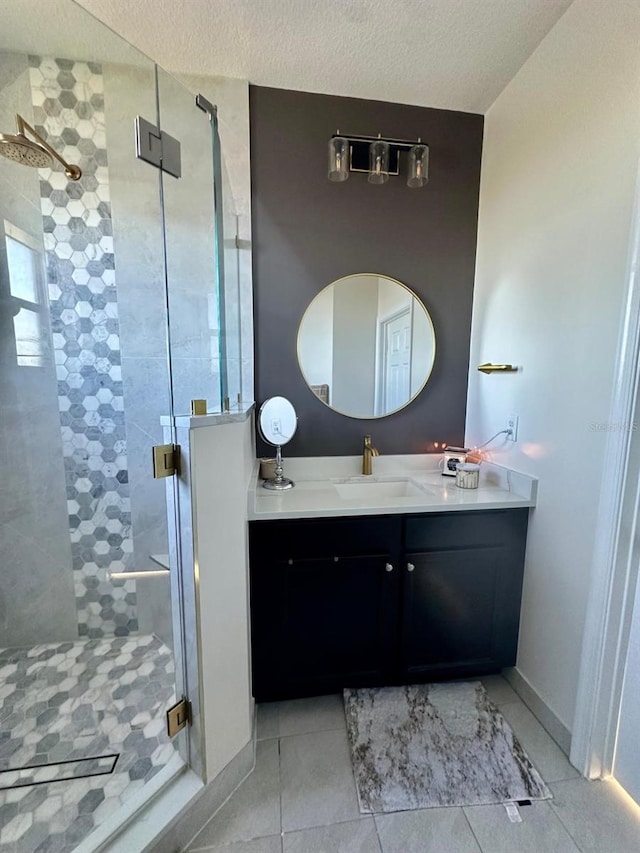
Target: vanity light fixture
377	157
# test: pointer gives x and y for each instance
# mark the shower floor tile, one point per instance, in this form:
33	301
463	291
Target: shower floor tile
64	710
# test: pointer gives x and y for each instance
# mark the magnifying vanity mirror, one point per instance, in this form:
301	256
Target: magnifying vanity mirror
277	422
366	345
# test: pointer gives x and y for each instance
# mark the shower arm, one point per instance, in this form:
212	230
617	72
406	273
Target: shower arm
74	173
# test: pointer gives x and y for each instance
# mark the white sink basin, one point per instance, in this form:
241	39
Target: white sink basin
379	490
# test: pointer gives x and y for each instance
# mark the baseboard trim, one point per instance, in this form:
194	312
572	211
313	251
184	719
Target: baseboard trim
539	708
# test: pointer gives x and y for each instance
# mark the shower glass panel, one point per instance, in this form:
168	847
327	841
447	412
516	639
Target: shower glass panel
194	307
202	259
91	652
229	278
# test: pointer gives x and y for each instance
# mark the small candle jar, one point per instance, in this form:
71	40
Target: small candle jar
267	469
467	475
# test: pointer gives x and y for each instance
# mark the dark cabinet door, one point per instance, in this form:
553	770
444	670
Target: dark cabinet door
461	593
451	615
323	624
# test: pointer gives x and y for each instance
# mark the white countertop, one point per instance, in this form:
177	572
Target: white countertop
317	479
238	413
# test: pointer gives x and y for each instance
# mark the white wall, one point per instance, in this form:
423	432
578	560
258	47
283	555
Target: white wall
561	151
315	342
355	312
391	299
422	346
222	458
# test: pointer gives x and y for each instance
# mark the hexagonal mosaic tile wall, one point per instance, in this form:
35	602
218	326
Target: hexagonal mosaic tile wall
68	105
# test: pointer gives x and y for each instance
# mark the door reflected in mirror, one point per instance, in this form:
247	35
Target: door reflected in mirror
366	346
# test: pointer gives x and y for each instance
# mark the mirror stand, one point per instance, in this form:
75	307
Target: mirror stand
277	423
280	483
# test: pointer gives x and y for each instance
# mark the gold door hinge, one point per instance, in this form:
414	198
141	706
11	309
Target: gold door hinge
166	460
178	717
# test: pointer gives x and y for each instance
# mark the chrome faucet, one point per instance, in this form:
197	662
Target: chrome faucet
367	454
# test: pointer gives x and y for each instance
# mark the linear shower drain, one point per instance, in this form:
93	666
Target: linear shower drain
58	771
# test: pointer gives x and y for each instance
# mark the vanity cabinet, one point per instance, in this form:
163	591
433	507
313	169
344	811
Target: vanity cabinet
348	602
323	604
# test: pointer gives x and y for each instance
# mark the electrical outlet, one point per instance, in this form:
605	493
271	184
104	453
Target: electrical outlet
276	426
512	424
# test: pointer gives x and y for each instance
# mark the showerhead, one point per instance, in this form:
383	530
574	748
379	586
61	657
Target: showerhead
22	150
40	155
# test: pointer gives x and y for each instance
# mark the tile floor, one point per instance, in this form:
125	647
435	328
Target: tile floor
301	798
67	702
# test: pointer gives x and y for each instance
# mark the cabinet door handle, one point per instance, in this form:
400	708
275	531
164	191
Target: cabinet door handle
410	567
388	567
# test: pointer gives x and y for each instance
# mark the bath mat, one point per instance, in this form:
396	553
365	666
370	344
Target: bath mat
431	745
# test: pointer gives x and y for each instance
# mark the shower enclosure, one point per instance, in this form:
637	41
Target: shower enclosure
119	304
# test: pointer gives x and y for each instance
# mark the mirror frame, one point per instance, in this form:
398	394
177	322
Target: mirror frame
427	377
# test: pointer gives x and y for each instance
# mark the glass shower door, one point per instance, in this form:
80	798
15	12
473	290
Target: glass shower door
90	657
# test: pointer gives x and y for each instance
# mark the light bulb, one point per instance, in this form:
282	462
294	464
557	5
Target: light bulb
418	166
338	159
378	162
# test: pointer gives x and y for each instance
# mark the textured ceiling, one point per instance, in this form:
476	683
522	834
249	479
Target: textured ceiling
60	28
451	54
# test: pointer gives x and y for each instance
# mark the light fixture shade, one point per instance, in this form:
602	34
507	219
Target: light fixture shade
378	162
338	159
418	166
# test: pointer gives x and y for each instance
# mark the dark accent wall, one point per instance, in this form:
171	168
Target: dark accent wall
308	231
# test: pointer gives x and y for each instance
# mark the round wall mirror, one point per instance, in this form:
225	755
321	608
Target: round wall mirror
366	346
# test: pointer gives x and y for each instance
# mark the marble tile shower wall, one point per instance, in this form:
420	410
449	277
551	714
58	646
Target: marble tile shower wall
68	105
35	550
